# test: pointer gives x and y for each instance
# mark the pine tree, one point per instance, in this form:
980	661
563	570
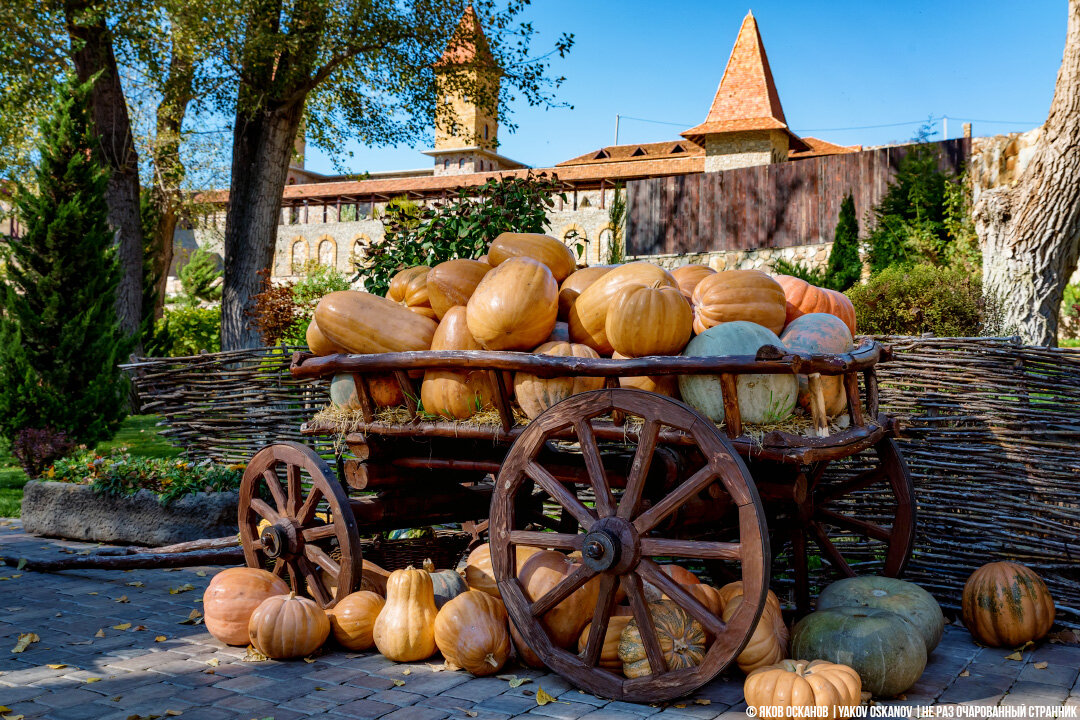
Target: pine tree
845	267
60	338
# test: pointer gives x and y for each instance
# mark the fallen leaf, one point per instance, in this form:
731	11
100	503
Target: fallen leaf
140	628
193	618
174	713
4	709
137	583
213	662
1015	656
514	680
121	626
703	701
182	589
24	641
309	659
319	687
399	683
22	564
209	671
407	671
542	698
468	713
100	633
16	576
122	599
437	668
965	673
13	717
57	666
1041	665
117	698
681	705
253	655
901	696
92	680
200	573
160	638
1064	636
58	615
91	593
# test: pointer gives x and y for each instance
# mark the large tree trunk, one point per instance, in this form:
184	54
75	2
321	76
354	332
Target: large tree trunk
1030	233
92	52
262	148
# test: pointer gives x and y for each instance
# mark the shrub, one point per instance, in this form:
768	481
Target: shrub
923	299
845	267
199	278
281	313
186	330
797	269
37	448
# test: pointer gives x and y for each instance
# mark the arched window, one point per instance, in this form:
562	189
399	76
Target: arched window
328	252
299	255
485	131
446	164
461	164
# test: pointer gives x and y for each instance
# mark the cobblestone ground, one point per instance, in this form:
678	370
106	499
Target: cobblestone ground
112	646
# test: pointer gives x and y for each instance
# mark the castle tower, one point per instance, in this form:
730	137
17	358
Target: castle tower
467	80
745	125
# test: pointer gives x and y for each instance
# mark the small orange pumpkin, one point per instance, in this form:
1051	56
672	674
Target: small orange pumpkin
1006	604
514	306
731	591
452	283
232	596
748	295
479	574
688	276
588	315
645	321
455	394
802	298
542	572
470	632
609	654
409	288
805	689
535	394
659	384
288	626
574	285
352	620
545	249
765	646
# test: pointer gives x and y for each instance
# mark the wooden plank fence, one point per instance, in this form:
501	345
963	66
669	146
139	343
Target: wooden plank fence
768	206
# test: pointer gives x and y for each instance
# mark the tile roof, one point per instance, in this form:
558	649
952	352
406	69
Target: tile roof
818	147
747	98
672	149
468	43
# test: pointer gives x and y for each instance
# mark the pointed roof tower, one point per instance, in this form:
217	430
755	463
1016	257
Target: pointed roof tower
468	45
747	97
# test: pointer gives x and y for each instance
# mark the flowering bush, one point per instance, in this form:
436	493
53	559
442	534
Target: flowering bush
120	473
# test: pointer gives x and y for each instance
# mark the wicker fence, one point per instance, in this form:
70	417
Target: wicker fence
992	440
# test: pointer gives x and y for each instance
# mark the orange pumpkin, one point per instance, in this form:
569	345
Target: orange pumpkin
766	646
820	333
404	631
802	298
470	632
232	596
733	590
455	394
805	689
525	653
545	249
288	626
514	306
748	295
688	276
317	342
575	284
659	384
609	653
542	572
385	391
588	315
652	320
478	572
680	575
352	620
409	287
535	394
1005	604
364	323
453	282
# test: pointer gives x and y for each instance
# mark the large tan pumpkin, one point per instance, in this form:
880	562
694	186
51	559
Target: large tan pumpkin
452	283
288	626
409	287
455	394
542	572
514	306
385	391
536	394
405	628
688	277
766	646
748	295
364	323
1005	604
574	285
352	620
660	384
802	298
805	689
682	640
525	654
609	653
645	321
478	571
734	590
471	633
588	316
232	596
317	342
558	258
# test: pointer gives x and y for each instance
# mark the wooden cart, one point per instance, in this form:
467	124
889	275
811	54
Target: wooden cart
630	479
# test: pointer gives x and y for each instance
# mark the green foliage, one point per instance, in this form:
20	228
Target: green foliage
845	267
198	278
797	269
120	474
460	228
617	217
1069	316
920	299
963	249
186	330
60	339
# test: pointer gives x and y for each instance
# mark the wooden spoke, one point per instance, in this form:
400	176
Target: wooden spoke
860	481
294	580
816	475
307	511
861	527
836	559
264	510
318	556
563	590
689	487
639	469
319	532
276	492
295	489
632	586
663	547
314	582
799	560
256	544
605	502
652	572
601	616
559	541
279	567
561	495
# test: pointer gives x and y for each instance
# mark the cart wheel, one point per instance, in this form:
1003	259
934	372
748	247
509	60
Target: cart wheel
887	495
620	533
300	531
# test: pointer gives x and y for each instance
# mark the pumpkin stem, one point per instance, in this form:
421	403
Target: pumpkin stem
292	594
429	565
491	660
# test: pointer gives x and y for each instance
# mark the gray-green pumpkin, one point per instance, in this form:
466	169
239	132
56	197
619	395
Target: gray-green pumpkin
885	649
906	599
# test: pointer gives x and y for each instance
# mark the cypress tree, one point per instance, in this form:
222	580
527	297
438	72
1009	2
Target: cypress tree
60	338
845	267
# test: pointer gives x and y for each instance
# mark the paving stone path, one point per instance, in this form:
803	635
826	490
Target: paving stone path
112	647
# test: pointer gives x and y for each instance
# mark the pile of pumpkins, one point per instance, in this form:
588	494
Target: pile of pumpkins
527	295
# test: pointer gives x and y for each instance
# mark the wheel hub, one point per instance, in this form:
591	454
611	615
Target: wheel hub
600	550
279	540
611	545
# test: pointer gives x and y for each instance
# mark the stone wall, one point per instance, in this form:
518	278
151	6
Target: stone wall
814	257
744	149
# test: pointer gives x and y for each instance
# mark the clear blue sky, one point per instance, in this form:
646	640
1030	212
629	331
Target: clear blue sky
839	64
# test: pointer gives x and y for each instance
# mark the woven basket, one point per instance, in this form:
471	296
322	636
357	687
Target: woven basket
444	549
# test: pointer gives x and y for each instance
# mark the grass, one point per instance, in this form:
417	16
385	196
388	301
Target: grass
138	433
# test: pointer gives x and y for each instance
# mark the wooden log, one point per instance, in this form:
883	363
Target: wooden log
732	415
389	511
817	405
218	556
211	544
